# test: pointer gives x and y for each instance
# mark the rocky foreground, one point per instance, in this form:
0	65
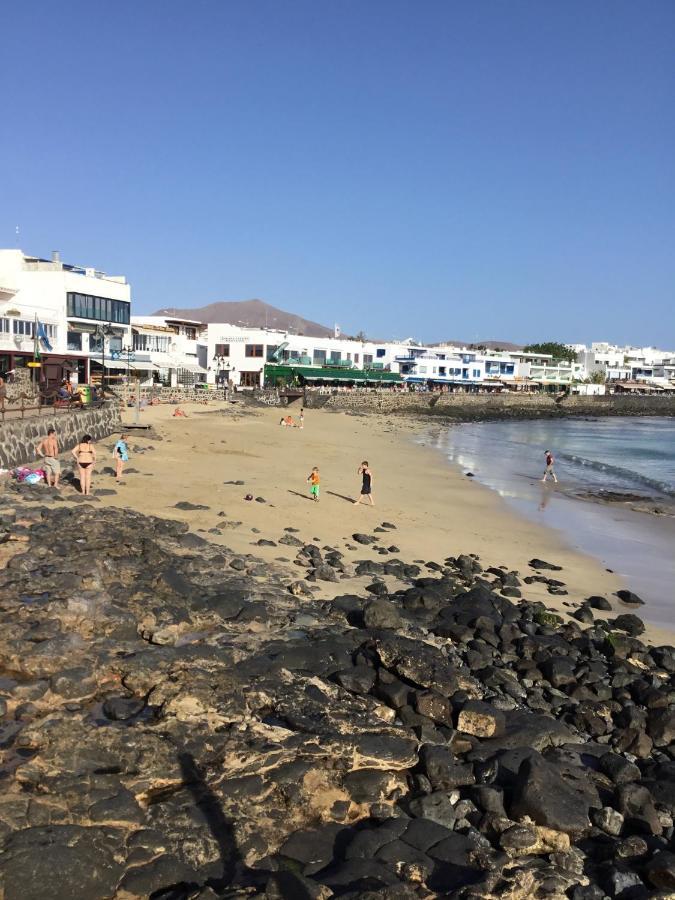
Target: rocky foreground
179	722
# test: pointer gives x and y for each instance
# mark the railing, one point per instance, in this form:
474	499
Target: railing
46	402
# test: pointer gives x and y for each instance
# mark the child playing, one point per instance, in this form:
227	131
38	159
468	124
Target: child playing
314	481
120	455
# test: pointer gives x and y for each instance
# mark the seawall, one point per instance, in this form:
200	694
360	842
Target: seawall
18	437
476	407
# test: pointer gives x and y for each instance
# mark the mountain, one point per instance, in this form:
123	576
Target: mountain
254	313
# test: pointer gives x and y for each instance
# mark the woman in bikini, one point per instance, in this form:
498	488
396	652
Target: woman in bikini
85	454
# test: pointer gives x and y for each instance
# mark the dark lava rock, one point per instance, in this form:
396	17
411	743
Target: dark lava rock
629	623
597	602
630	598
541	793
364	538
185	504
122	708
379	613
660	871
541	564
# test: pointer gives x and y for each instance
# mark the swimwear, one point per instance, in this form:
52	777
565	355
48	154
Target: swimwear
365	487
84	465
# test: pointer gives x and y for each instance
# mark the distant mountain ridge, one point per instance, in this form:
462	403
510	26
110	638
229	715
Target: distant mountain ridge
254	313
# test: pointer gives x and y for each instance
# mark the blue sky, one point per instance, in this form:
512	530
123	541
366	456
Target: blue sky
438	169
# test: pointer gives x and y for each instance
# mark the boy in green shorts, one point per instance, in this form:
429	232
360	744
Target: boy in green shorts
314	481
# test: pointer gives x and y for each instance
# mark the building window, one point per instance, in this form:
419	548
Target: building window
222	349
24	327
74	340
380	352
356	358
334	356
191	334
367	359
102	309
476	373
319	358
5	326
253	350
423	370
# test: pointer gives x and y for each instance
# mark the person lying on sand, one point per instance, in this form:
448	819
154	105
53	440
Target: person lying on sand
287	422
179	414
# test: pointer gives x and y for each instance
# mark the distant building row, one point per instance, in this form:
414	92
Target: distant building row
79	322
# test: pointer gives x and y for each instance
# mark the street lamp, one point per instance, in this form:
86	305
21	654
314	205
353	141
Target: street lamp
102	332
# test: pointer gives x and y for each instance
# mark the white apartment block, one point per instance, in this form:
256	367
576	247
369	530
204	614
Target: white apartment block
82	316
175	349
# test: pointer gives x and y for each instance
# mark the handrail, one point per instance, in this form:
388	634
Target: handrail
47	401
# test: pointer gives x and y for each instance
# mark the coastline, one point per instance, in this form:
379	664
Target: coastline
437	510
628	533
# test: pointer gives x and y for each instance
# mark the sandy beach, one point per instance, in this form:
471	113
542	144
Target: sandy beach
438	512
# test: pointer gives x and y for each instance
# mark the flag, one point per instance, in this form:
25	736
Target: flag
42	335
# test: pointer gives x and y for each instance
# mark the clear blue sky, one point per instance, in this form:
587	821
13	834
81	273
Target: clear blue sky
438	169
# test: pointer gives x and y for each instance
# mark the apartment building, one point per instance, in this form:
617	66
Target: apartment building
175	348
75	317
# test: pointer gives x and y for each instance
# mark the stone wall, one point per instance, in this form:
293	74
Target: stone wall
473	407
18	437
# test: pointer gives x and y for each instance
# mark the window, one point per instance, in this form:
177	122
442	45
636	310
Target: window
380	352
476	373
24	327
356	358
367	359
74	340
423	370
253	350
191	334
102	309
222	349
319	358
5	326
335	356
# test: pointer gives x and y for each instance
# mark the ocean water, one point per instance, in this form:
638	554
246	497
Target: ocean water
634	456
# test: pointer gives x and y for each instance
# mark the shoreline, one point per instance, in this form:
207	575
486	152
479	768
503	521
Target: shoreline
632	540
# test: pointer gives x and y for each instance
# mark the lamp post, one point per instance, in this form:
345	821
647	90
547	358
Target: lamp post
221	363
102	332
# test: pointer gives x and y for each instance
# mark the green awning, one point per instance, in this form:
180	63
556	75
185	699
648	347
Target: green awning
328	373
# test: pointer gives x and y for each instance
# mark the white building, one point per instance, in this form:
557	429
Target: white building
175	347
239	355
82	316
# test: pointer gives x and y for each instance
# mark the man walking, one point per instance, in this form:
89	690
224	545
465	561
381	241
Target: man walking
48	449
366	474
549	466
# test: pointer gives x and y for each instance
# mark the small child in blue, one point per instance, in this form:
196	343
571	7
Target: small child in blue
120	455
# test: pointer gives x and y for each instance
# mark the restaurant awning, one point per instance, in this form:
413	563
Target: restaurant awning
189	367
119	365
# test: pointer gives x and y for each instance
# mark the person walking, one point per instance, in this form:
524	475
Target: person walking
120	455
3	395
48	449
85	454
314	481
302	419
550	462
367	483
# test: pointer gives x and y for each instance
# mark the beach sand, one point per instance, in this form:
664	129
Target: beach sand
438	511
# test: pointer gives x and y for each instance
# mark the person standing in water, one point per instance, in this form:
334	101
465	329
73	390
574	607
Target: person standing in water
367	484
85	454
550	460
